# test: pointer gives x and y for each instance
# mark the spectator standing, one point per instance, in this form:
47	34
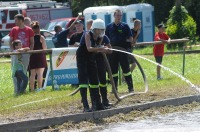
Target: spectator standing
27	21
37	61
60	38
89	24
22	32
120	35
158	50
135	31
18	69
25	34
76	37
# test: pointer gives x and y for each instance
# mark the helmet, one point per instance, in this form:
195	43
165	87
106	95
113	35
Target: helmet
99	24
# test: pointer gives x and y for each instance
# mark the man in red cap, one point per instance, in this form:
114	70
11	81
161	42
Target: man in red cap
158	49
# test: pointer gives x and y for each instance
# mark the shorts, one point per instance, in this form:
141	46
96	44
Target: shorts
159	59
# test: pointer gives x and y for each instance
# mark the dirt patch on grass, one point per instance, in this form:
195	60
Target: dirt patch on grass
63	108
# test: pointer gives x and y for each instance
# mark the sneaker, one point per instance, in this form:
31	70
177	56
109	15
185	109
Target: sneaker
42	89
38	89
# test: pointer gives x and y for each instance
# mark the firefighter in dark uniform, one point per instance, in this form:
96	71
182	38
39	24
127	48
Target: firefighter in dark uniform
90	45
101	68
120	35
101	72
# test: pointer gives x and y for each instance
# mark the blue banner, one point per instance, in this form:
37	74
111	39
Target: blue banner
64	67
62	77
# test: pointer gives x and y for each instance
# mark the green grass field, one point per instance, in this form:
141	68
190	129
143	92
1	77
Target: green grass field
50	101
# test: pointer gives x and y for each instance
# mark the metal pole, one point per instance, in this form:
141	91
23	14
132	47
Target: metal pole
51	71
183	72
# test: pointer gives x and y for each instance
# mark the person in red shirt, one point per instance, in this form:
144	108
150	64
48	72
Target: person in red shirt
158	49
26	35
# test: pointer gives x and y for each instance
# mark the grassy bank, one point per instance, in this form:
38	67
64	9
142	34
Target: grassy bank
54	103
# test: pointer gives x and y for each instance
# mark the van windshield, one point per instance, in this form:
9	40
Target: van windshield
50	26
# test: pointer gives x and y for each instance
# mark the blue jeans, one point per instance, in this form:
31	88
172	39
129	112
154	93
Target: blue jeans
22	81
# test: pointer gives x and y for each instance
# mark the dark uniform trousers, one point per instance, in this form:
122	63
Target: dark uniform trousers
101	66
87	74
116	59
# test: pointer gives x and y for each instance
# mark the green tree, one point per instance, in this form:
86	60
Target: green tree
161	10
193	7
180	24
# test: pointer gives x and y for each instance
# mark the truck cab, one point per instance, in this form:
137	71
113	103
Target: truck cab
41	10
7	20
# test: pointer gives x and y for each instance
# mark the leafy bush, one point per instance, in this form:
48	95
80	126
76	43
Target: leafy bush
180	25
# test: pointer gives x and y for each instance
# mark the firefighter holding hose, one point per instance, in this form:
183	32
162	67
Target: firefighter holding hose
91	44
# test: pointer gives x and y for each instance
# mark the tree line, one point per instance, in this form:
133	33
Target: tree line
161	7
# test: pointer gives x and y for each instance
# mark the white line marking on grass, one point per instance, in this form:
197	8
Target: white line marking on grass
35	102
30	102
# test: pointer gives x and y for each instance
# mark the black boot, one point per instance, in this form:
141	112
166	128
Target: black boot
105	102
95	99
129	82
84	100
